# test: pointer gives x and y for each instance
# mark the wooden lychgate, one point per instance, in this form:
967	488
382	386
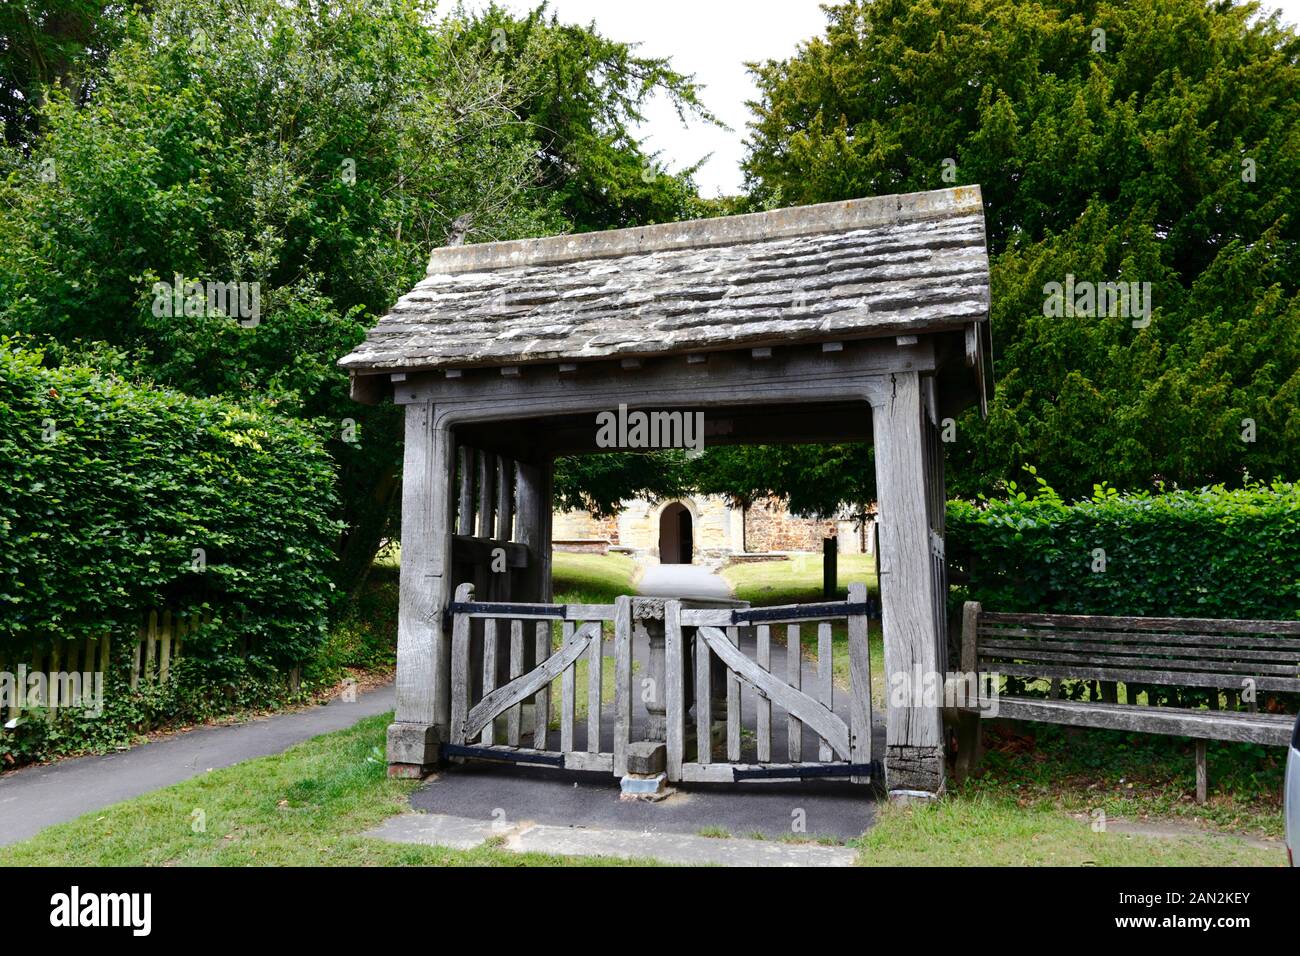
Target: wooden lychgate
856	321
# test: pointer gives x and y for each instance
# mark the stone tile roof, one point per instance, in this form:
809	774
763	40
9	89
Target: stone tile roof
863	268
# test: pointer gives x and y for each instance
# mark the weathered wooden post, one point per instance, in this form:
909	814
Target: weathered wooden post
914	758
423	648
830	569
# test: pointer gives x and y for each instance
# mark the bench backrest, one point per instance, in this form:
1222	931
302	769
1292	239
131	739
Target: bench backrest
1185	652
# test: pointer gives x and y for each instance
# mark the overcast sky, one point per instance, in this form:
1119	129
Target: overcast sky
713	39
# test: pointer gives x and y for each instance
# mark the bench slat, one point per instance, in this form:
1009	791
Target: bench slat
1137	676
1271	729
1175	624
1265	642
1019	650
1147	650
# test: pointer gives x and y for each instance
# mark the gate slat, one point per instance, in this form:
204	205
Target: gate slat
807	709
568	695
825	682
763	703
594	674
542	702
674	704
515	714
859	683
703	703
622	682
794	677
516	691
489	673
460	650
733	703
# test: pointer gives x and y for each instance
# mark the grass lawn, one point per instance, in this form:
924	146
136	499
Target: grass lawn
307	806
978	829
1033	804
799	581
591	578
304	807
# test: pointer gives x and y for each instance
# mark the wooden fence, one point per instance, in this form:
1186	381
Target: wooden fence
158	644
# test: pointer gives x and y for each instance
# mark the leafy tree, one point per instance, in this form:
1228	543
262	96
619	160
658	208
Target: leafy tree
1151	141
812	479
43	42
577	95
317	150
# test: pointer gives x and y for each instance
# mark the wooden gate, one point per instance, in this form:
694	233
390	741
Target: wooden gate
713	638
478	633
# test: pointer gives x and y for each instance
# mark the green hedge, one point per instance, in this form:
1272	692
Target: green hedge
107	488
1212	552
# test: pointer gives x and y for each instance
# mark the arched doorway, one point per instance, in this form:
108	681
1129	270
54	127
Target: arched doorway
676	538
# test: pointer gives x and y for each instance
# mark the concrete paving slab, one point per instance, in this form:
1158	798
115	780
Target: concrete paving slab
682	849
435	829
835	810
676	848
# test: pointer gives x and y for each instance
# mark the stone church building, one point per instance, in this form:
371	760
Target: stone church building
704	529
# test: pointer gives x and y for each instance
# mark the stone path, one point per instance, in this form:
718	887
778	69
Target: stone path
681	581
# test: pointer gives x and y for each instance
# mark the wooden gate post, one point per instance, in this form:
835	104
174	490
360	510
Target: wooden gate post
914	759
423	648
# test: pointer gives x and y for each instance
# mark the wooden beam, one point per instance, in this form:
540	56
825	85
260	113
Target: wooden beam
423	650
486	495
532	508
914	741
476	551
505	497
465	506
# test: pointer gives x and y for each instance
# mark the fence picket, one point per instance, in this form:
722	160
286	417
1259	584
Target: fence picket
515	713
825	682
794	677
763	704
595	672
703	703
151	648
542	702
622	682
733	703
568	694
489	672
675	706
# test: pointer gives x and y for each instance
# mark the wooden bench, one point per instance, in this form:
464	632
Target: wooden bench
1246	659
